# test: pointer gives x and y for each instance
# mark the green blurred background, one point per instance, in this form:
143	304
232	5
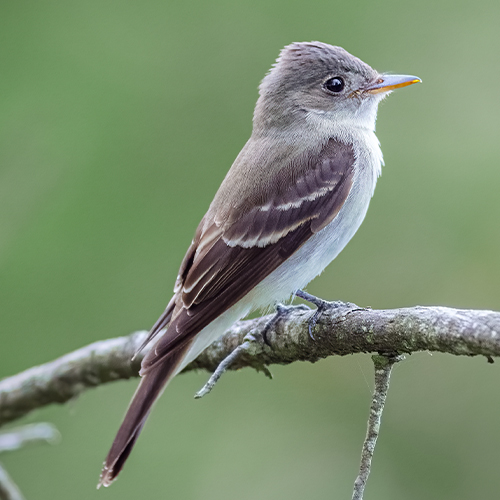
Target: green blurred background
118	121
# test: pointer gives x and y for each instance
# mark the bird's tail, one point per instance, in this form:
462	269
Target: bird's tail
150	387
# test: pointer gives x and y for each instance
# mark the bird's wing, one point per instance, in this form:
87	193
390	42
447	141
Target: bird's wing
227	260
231	253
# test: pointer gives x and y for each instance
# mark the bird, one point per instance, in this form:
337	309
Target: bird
293	198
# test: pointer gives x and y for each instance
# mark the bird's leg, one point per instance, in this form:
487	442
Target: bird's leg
321	305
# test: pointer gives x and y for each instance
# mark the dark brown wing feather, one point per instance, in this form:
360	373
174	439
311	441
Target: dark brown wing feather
306	196
161	323
226	270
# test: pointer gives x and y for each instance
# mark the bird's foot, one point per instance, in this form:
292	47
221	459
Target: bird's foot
321	306
282	312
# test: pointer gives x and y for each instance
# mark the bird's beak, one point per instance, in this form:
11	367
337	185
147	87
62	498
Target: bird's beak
386	83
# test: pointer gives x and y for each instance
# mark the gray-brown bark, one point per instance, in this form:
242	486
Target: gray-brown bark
342	329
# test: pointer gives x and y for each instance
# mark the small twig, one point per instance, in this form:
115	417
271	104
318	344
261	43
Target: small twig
15	439
8	489
28	434
249	345
383	368
217	374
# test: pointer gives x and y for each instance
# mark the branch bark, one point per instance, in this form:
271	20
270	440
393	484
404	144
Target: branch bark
342	329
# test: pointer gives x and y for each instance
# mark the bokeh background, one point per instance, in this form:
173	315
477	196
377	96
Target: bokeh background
118	121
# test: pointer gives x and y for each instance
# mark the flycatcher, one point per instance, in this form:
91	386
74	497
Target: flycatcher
293	198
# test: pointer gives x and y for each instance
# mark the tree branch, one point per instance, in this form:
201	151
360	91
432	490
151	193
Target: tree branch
342	329
383	368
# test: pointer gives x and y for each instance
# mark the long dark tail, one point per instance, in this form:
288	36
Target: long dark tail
151	386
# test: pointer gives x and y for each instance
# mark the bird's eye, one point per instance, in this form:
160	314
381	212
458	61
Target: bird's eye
335	84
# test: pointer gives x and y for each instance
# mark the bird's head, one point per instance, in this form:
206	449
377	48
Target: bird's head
314	78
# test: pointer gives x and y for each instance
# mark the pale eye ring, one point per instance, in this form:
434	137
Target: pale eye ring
335	84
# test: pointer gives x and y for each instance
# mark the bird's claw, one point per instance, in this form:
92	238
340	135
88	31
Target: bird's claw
281	312
321	306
